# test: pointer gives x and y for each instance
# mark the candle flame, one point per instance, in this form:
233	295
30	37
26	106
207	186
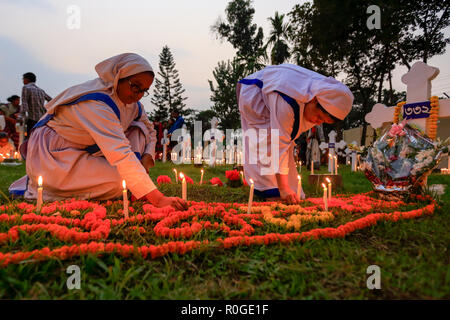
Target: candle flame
181	175
298	177
201	171
323	186
330	156
328	180
40	181
124	184
251	181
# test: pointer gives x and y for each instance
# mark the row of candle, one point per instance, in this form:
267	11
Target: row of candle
10	155
332	158
445	171
184	191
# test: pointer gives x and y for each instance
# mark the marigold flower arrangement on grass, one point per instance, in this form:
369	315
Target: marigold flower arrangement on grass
75	228
163	179
234	178
216	182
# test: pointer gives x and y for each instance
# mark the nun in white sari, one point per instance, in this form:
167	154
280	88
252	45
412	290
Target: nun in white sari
284	100
94	135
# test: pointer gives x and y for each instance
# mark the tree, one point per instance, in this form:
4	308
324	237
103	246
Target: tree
366	57
226	74
278	39
168	93
424	23
246	37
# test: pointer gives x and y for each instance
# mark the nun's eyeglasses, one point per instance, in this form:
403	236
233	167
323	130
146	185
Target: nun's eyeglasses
137	90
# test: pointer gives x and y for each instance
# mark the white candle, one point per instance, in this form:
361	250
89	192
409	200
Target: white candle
201	178
329	187
250	198
299	187
331	164
176	175
312	167
39	198
242	175
300	163
335	165
325	201
125	199
183	186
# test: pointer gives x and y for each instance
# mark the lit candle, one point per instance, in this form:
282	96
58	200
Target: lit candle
335	165
329	187
250	198
201	178
299	187
16	155
125	199
183	187
176	175
39	198
325	201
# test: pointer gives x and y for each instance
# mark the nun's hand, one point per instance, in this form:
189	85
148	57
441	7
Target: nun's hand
175	202
289	196
147	161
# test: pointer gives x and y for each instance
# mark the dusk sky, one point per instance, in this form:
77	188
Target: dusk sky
34	37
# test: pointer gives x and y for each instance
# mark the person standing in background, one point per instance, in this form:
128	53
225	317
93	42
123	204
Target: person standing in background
11	111
33	99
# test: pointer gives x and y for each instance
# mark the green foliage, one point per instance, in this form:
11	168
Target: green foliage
245	36
226	75
168	92
332	37
278	39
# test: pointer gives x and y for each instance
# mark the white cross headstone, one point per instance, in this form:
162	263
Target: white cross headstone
331	150
165	143
348	152
230	154
418	89
198	153
354	157
418	82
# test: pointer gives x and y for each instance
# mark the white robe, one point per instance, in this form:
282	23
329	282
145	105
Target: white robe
266	109
55	151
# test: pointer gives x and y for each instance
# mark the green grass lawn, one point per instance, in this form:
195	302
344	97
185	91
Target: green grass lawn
412	254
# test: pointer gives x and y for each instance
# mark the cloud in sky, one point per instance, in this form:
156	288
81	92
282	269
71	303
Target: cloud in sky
34	37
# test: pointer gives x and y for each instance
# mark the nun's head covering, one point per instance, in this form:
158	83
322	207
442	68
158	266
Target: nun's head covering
110	71
303	85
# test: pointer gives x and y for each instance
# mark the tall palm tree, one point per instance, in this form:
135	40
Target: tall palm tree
278	39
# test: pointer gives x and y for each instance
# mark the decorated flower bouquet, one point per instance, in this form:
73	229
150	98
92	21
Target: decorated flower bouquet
402	158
